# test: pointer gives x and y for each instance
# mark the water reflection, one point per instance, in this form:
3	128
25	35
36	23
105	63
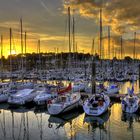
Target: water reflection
40	109
131	119
97	127
60	121
66	122
34	123
123	86
99	121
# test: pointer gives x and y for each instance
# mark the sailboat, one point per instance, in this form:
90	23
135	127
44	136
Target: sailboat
6	88
98	103
112	89
43	96
66	100
21	97
63	103
4	92
79	85
130	103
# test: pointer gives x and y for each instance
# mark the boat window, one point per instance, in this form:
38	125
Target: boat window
63	99
0	86
74	97
131	100
100	103
97	98
94	104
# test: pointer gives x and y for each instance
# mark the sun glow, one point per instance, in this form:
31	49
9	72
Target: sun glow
13	52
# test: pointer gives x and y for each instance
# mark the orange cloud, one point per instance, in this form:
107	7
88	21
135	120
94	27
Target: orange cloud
122	16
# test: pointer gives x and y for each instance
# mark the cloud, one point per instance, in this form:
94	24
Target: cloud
122	16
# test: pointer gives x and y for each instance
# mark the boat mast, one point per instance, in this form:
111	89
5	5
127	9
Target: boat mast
109	42
134	50
92	49
93	76
73	32
21	35
100	33
69	19
69	26
39	54
93	68
25	39
1	56
76	56
121	48
113	49
10	54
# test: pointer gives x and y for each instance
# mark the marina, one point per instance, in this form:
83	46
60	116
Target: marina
33	121
69	70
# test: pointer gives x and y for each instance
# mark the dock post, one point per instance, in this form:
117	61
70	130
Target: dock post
93	77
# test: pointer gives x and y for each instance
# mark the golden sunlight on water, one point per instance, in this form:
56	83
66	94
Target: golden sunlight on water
123	86
34	123
77	125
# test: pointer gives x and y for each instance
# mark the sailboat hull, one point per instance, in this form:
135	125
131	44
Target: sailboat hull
62	107
130	107
55	110
97	110
3	98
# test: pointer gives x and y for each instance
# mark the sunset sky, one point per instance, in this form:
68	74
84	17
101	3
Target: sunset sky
47	20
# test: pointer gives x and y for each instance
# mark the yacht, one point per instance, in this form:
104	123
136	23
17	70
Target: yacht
97	104
64	103
130	103
22	97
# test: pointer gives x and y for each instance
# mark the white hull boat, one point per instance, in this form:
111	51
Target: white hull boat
112	89
43	97
50	93
64	103
5	90
22	97
3	97
79	86
97	104
130	104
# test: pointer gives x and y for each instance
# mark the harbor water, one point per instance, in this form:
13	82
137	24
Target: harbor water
34	123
